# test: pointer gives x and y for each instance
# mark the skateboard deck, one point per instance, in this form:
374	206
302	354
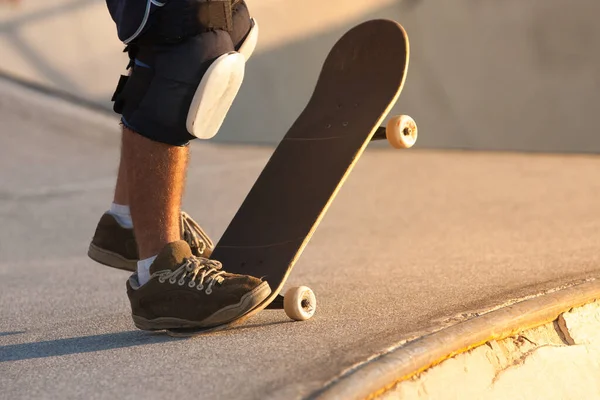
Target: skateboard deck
360	82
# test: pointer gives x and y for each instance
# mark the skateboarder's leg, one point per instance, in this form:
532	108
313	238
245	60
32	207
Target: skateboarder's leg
114	242
120	205
154	104
200	293
156	173
167	171
155	134
156	177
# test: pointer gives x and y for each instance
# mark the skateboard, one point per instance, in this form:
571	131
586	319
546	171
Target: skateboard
359	83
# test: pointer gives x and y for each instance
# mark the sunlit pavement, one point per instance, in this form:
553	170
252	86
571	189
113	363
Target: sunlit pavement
415	241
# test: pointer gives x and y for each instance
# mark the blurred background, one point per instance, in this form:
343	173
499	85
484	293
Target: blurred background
507	75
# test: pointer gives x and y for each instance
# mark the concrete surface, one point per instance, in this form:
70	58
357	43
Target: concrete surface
539	363
405	360
491	75
415	240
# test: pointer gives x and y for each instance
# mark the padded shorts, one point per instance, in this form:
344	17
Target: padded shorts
155	98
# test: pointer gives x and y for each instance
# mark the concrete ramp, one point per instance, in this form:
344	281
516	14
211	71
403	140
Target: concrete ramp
417	249
484	75
547	346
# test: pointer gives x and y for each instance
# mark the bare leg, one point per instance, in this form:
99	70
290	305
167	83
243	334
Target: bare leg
121	190
155	175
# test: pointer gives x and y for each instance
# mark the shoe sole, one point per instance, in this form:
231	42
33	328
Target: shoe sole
223	316
111	259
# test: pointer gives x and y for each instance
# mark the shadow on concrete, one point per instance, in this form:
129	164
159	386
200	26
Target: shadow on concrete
109	341
79	345
246	327
12	333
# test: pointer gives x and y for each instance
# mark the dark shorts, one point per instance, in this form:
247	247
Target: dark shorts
154	100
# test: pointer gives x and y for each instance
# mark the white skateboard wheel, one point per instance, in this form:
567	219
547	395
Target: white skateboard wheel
401	132
299	303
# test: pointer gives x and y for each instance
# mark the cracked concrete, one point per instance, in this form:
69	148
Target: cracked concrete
558	360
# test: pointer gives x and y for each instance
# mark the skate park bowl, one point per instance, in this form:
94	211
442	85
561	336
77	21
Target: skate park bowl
483	75
545	347
485	266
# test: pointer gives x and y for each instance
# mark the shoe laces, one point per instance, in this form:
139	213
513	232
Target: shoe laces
198	272
193	233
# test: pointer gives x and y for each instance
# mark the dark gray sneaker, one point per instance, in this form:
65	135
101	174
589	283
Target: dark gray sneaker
115	246
186	291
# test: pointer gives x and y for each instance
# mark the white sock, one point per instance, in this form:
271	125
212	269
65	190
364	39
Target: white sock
122	215
143	270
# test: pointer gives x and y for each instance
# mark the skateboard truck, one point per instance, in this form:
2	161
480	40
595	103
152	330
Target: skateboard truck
299	303
401	132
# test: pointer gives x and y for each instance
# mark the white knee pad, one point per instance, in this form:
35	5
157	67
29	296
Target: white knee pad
247	48
218	88
215	94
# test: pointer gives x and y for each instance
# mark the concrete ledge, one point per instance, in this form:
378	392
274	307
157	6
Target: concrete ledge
404	362
559	360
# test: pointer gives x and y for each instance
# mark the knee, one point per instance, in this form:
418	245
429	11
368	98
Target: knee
170	90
